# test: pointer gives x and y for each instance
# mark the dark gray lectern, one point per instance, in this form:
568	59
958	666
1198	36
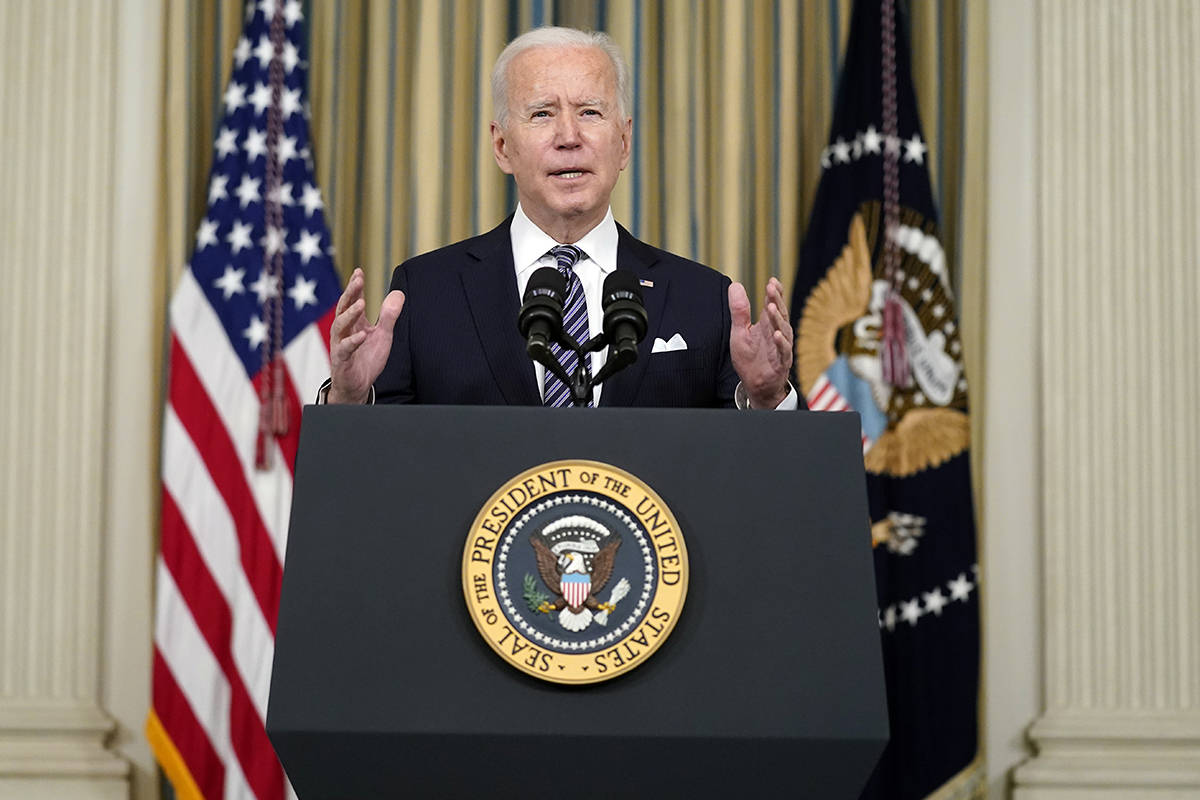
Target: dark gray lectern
771	683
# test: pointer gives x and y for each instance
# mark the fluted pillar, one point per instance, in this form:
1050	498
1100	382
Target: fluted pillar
64	86
1119	252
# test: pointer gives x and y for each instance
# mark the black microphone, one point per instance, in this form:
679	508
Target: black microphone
541	317
624	317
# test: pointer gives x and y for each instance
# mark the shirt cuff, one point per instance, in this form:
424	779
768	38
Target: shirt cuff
323	394
790	403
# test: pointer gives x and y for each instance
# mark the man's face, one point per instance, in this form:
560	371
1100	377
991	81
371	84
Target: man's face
565	141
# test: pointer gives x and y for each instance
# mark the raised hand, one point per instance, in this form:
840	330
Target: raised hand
358	350
762	352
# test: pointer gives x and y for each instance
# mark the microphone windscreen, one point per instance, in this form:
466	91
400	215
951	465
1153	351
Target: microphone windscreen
621	284
546	281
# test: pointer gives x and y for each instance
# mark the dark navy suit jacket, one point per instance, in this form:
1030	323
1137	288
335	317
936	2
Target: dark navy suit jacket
457	341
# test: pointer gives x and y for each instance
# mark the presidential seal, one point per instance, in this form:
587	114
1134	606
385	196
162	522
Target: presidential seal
575	572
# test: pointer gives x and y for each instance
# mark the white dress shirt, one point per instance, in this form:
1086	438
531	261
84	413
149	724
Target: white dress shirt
531	247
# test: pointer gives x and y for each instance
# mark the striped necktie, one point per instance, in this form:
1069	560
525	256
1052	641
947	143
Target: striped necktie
575	324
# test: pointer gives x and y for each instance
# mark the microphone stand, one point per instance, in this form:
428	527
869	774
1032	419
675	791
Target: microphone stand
582	382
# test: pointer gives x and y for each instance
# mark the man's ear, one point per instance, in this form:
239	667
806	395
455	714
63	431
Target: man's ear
627	142
498	151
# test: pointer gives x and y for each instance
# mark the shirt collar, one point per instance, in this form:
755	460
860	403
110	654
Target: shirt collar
530	243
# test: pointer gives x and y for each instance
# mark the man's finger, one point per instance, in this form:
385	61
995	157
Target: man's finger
344	349
739	306
778	320
352	292
347	322
775	295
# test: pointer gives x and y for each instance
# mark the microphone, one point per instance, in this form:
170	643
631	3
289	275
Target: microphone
541	316
624	317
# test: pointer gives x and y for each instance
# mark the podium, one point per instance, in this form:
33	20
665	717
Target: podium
771	680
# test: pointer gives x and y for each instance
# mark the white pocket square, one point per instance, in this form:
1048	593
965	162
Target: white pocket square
676	342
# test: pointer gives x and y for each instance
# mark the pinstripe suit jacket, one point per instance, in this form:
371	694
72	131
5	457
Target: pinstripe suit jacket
457	341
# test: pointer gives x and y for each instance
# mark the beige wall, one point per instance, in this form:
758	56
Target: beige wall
1114	692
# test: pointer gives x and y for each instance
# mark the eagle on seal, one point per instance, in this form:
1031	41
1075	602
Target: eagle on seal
565	569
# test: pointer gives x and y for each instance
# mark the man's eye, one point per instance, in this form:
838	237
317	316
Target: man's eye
591	112
538	114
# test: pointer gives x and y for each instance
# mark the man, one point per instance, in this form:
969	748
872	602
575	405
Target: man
563	131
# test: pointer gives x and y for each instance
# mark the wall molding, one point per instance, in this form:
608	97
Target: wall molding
1119	195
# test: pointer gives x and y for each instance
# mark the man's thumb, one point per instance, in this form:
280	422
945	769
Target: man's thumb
739	305
390	309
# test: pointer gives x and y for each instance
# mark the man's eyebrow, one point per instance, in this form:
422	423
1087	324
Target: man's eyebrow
538	105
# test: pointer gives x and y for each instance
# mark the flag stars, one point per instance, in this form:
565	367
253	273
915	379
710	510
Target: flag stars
303	292
265	50
935	601
241	52
247	190
231	282
273	240
955	346
255	144
311	200
235	97
939	310
872	142
239	237
308	247
291	56
949	328
290	102
910	611
889	618
841	151
914	150
256	333
266	287
216	189
207	234
226	143
960	588
282	194
292	13
261	97
287	149
914	283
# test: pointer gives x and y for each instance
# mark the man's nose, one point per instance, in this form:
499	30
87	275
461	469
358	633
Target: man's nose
567	131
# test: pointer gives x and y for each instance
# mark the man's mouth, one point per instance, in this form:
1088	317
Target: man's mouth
568	173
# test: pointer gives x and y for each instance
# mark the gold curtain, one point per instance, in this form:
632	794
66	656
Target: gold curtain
732	103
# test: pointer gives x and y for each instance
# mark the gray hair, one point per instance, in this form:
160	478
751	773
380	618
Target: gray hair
559	37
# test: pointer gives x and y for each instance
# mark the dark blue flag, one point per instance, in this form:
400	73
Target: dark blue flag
877	332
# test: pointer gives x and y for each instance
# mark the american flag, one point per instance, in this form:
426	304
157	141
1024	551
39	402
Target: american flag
248	331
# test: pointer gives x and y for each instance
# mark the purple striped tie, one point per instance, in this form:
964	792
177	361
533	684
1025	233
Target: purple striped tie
575	324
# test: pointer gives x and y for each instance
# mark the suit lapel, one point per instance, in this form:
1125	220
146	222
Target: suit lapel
490	283
639	258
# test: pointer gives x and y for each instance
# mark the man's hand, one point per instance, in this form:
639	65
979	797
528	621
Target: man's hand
357	349
762	352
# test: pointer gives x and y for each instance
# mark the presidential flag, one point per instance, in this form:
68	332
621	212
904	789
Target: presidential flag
876	332
249	328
